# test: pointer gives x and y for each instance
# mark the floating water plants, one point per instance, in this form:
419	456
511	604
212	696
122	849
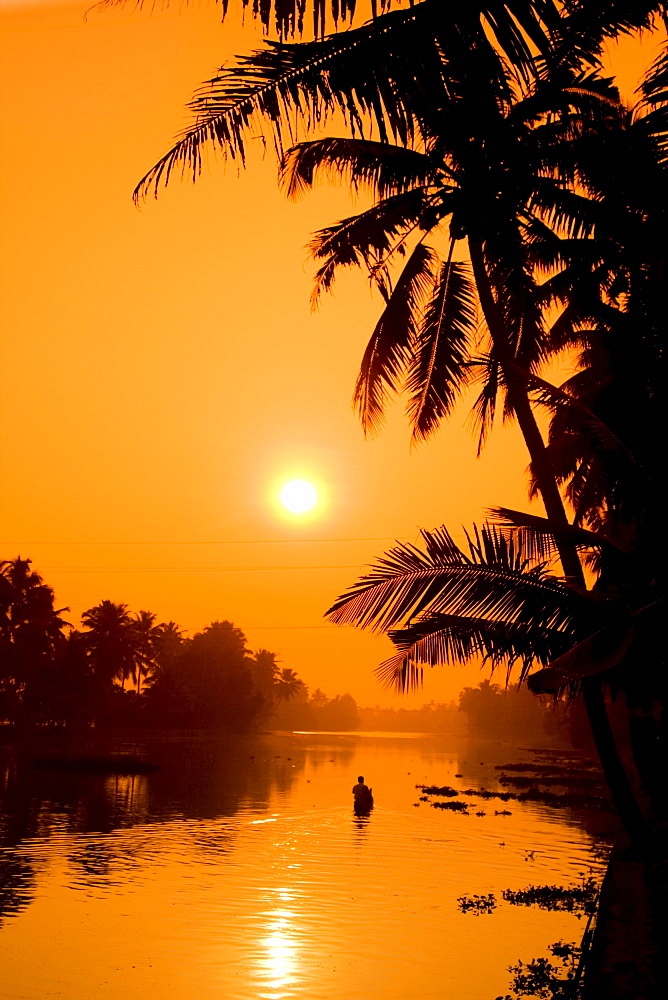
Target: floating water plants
477	904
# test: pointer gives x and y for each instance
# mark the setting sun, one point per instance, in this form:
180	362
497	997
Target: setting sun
298	496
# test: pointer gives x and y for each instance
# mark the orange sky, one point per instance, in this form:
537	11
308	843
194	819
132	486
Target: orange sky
162	371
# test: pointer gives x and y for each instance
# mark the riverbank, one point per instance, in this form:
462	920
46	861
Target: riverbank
628	954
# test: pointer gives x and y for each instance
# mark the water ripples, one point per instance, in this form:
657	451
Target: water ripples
292	898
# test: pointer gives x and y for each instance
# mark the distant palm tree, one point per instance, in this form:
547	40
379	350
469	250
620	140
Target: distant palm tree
147	639
110	641
31	637
265	670
169	642
26	602
287	685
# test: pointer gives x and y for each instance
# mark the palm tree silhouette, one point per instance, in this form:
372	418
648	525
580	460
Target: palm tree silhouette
31	637
287	684
147	639
477	135
110	641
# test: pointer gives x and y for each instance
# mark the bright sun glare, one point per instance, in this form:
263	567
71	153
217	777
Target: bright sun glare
298	496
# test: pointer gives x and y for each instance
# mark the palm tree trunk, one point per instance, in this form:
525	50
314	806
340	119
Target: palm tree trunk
518	397
613	769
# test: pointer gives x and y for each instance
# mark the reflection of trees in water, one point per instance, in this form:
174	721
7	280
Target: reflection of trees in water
321	749
95	861
198	778
17	881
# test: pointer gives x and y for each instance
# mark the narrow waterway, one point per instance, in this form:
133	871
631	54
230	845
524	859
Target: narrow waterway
239	870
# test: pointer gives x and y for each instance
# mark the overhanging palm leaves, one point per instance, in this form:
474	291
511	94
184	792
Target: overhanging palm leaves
286	17
482	139
445	603
495	600
286	85
589	21
654	102
420	190
390	349
374	73
452	639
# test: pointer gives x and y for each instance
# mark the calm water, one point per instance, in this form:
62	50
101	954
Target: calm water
238	870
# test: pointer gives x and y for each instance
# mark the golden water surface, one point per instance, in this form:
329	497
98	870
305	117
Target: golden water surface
238	870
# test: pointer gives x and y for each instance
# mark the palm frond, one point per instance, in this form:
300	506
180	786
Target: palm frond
493	580
389	75
390	347
512	23
438	369
439	640
654	103
540	537
384	168
486	372
554	398
587	24
369	238
286	17
366	74
565	212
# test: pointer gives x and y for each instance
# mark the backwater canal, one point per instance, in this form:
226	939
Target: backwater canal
239	870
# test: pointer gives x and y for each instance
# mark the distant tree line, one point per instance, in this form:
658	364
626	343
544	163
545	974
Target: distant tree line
434	717
318	712
514	713
126	669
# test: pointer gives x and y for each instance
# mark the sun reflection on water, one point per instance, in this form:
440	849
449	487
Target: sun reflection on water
279	955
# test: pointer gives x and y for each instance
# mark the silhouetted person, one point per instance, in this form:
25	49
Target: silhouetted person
362	796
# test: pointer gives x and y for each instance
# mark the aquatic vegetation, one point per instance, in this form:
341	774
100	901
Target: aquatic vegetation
483	793
446	790
462	807
554	799
502	812
540	978
578	899
477	904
